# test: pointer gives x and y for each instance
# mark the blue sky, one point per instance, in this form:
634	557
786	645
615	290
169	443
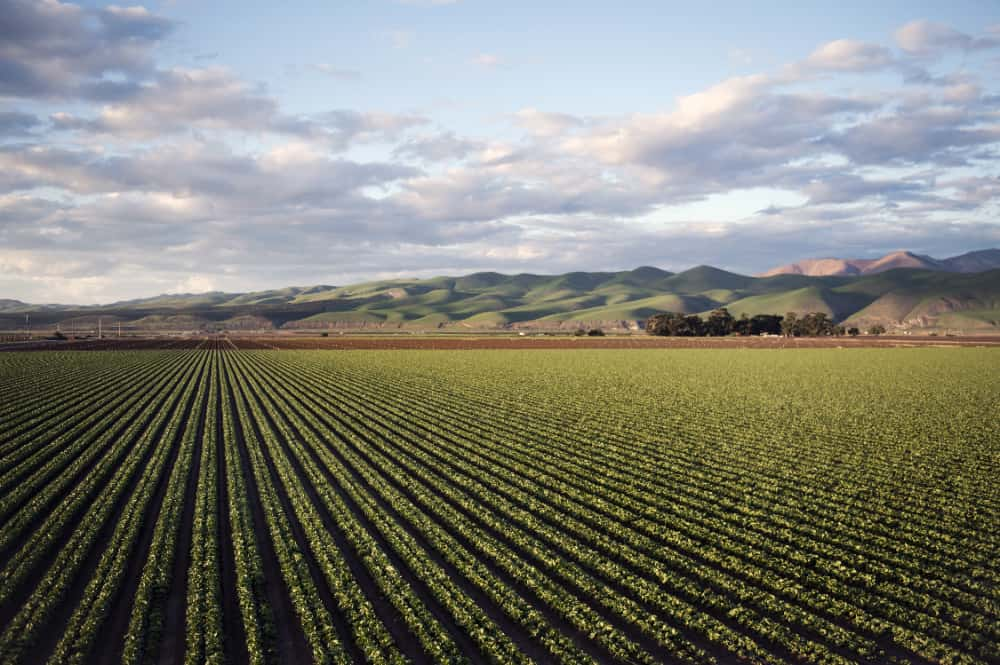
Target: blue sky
189	146
596	58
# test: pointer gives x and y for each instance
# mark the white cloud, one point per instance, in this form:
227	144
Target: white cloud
438	148
184	100
194	284
180	99
924	37
17	123
50	49
161	170
849	55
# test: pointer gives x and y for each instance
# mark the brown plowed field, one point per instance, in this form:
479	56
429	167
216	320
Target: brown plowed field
631	342
424	342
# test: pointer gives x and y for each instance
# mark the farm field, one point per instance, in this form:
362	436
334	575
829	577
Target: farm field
228	505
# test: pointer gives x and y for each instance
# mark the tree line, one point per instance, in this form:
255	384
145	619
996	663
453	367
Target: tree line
720	323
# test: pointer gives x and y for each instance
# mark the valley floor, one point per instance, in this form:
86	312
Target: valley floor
397	341
224	505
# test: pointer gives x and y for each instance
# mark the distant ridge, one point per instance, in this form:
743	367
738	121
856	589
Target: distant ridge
978	261
902	291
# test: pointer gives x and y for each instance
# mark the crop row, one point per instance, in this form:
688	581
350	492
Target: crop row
216	505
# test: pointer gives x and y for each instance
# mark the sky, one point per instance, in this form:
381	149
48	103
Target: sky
196	145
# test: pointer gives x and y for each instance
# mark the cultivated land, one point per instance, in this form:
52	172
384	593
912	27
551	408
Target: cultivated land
221	504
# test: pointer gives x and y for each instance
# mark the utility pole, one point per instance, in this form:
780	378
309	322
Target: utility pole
100	334
27	326
119	328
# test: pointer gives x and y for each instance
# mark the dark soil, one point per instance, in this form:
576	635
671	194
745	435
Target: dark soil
441	342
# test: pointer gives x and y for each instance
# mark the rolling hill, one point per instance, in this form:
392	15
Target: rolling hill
979	261
899	298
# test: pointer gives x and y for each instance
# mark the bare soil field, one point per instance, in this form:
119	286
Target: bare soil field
129	344
425	342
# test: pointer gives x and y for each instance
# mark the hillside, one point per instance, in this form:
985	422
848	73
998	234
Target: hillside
979	261
899	298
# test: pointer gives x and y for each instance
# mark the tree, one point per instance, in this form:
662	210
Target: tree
742	325
661	324
595	332
719	323
766	324
673	324
790	325
691	326
853	332
815	324
876	329
811	324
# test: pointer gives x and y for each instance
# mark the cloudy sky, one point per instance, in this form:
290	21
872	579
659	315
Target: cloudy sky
195	145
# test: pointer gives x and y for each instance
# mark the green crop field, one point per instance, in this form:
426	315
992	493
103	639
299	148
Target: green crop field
632	506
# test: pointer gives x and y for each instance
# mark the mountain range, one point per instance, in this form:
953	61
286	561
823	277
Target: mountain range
930	295
986	259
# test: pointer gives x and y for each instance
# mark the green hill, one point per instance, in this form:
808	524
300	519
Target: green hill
923	299
898	299
834	304
634	310
706	278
